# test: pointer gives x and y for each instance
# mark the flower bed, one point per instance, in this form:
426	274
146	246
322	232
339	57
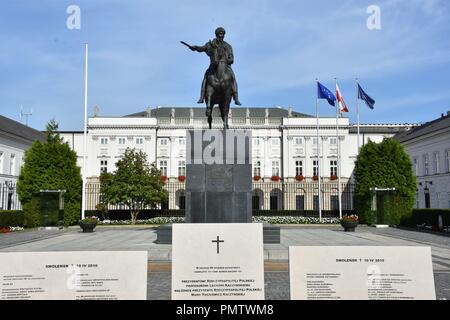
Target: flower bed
296	220
273	220
157	220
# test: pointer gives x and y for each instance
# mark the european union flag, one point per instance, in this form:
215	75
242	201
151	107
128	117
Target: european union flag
364	96
324	93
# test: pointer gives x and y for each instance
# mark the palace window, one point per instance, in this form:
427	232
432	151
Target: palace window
12	164
315	203
333	141
103	140
139	140
298	168
1	162
164	142
256	142
300	202
314	140
436	162
298	141
275	141
121	140
256	202
334	201
333	168
426	165
103	166
257	168
415	166
181	168
275	168
182	141
448	160
315	168
163	167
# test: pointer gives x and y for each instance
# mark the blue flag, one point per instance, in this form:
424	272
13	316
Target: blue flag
364	96
324	93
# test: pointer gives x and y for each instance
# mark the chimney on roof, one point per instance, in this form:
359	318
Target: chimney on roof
290	112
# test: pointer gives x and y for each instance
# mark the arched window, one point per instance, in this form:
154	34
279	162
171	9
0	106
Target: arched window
180	200
257	199
276	197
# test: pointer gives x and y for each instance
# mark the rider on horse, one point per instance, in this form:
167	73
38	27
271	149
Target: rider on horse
218	50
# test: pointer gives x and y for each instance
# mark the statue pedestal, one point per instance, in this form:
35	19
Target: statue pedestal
219	176
219	180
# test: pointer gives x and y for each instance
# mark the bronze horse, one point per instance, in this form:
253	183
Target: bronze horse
219	91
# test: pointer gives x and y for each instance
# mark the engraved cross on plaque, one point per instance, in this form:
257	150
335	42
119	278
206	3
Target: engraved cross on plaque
218	242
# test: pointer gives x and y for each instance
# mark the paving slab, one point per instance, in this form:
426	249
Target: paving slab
131	238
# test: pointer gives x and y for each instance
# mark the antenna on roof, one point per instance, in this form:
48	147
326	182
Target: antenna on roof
25	115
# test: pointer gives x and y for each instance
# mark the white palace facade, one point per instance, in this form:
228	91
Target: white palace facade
285	149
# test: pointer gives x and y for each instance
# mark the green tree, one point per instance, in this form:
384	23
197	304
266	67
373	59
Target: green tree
135	183
50	165
385	165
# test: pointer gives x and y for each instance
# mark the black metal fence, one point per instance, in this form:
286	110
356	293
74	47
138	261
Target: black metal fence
9	199
269	199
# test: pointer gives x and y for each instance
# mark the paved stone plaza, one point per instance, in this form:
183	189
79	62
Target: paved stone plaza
276	255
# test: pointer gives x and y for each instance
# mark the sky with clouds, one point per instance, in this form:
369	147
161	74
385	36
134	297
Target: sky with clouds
280	48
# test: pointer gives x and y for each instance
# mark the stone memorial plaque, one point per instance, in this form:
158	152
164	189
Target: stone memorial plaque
218	261
102	275
361	273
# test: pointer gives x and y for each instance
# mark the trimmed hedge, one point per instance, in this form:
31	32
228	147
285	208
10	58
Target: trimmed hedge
430	217
13	218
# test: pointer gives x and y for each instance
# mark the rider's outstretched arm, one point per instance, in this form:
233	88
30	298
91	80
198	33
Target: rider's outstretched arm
201	48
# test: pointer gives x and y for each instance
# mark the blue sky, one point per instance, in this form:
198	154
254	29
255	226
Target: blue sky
280	47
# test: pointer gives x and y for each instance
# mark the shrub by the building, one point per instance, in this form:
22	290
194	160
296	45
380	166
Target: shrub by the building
50	165
385	165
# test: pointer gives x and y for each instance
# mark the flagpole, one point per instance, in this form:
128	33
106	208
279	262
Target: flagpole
357	113
318	150
83	195
338	152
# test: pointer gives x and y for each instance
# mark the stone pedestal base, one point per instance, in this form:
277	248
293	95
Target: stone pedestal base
218	176
271	234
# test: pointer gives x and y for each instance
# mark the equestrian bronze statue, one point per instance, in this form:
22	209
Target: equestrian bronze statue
219	83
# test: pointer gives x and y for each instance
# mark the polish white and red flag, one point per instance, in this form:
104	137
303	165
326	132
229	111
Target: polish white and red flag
340	99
